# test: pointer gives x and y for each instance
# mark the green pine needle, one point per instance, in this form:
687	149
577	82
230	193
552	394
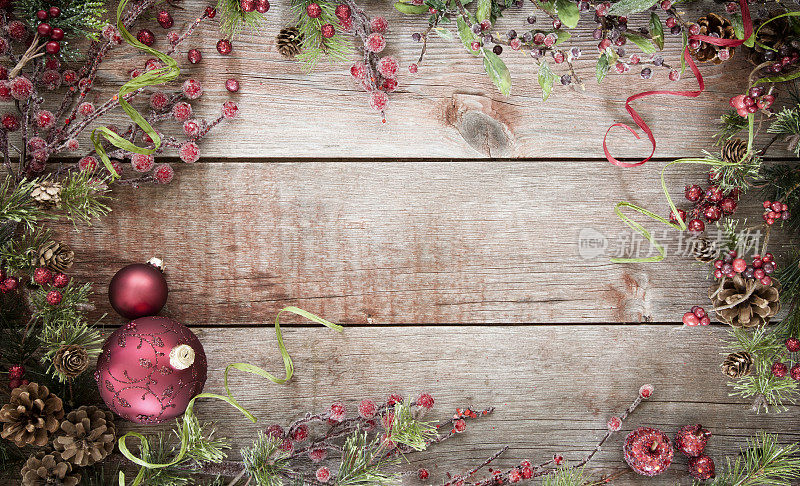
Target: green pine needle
363	461
17	205
83	198
315	46
764	462
732	124
408	430
265	461
565	476
233	20
201	446
787	122
79	18
67	333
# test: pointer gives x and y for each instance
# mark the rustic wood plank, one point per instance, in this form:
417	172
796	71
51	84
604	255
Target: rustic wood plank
393	243
448	110
554	388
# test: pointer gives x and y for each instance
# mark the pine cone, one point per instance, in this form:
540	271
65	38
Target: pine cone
289	42
774	34
32	414
71	360
704	251
47	194
55	256
713	25
738	364
734	151
745	302
42	470
89	436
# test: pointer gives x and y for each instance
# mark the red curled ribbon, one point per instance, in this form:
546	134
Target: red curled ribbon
748	31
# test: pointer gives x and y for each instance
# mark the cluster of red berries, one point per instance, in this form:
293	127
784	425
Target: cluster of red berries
16	376
45	30
260	6
780	369
710	204
696	317
387	67
43	276
774	211
761	268
649	452
7	282
754	100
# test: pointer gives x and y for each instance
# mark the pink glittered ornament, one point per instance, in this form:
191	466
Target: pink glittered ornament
150	369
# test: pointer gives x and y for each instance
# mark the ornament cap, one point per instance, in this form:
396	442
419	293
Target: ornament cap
181	357
156	262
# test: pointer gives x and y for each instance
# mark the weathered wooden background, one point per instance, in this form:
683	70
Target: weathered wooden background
445	239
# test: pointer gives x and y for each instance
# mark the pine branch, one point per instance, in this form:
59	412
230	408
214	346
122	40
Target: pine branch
787	123
265	462
408	430
781	182
60	334
17	205
84	198
314	45
19	254
736	177
732	124
201	447
233	20
763	463
566	476
79	18
362	462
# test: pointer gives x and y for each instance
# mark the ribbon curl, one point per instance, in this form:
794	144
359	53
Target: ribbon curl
228	397
169	72
639	121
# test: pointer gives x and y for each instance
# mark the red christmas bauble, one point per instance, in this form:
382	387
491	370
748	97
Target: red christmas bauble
138	290
150	369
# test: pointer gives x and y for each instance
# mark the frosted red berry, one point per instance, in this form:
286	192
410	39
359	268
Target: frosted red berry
45	119
728	205
60	280
300	433
318	455
779	369
425	400
194	56
224	47
11	283
42	276
367	409
328	31
614	424
693	193
182	111
379	25
262	6
16	372
10	122
342	12
323	474
674	75
17	30
247	6
313	10
163	174
394	399
192	89
648	451
795	372
459	425
388	67
54	297
646	391
793	344
191	128
88	163
86	108
275	431
691	440
696	226
159	101
375	43
232	85
358	70
413	68
189	152
378	100
165	19
142	162
21	88
230	110
701	468
423	474
337	411
146	37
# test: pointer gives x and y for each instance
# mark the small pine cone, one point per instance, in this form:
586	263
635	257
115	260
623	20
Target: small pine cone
47	194
734	151
773	35
88	436
742	302
42	469
31	416
704	250
289	42
737	365
56	256
71	360
713	24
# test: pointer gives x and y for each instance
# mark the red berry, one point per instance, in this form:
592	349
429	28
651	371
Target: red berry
614	424
413	68
224	47
793	344
211	12
689	319
57	34
674	75
300	433
42	276
648	451
313	10
163	174
691	440
712	213
698	311
262	6
367	409
342	12
423	474
701	468
165	19
379	25
189	152
54	11
375	43
60	280
713	194
705	321
247	5
41	14
696	226
192	89
54	297
16	372
425	401
10	122
44	29
795	372
146	37
230	110
728	205
337	412
674	219
459	425
232	85
394	399
693	193
317	455
323	474
739	265
779	369
194	56
52	47
328	31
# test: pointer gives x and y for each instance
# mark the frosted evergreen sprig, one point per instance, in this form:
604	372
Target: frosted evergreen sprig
68	333
79	18
264	461
234	20
764	462
315	46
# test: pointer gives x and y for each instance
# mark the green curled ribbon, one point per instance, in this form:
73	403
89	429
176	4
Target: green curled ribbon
169	72
228	397
680	225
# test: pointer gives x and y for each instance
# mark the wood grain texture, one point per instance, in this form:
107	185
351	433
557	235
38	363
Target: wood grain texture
554	386
397	243
449	109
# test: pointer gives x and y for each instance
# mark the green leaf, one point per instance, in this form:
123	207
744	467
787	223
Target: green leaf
601	69
646	45
657	31
484	10
549	7
466	35
738	25
443	33
561	36
410	9
627	7
546	79
568	13
683	50
498	71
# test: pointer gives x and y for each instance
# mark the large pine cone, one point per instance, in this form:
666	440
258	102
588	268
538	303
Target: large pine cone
713	25
734	151
71	360
289	42
55	256
47	193
745	302
89	436
32	414
42	470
